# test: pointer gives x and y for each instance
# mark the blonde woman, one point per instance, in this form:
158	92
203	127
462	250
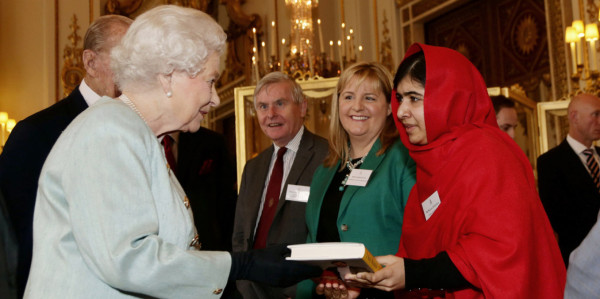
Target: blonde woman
363	136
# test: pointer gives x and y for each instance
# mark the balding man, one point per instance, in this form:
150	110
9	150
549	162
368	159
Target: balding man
568	176
32	138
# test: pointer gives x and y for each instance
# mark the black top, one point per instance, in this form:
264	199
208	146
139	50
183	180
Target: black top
327	230
437	273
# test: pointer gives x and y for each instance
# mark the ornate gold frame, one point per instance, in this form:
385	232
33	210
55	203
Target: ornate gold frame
250	140
526	137
553	123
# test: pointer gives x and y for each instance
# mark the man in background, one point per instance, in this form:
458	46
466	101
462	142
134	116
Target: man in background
32	138
205	169
506	115
265	215
568	176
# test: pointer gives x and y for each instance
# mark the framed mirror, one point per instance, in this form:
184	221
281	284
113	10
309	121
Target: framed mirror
526	132
553	123
250	140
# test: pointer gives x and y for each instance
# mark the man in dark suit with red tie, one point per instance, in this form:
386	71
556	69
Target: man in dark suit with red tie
32	138
264	214
568	176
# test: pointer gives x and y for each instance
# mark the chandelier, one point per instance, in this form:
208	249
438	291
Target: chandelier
298	55
584	69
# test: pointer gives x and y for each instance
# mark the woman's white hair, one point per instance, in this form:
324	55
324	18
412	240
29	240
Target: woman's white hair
162	40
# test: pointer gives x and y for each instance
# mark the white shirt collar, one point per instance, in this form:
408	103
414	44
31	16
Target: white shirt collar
88	94
577	146
294	144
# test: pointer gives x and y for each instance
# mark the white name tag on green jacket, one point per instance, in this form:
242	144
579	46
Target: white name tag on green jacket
359	177
297	193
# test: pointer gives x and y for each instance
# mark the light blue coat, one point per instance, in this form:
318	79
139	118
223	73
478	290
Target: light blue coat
110	219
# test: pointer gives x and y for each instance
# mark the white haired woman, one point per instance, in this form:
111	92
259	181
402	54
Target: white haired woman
111	220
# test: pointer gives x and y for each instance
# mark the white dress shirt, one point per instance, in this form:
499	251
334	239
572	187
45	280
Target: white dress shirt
88	94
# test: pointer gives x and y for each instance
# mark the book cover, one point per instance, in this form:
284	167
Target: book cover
347	256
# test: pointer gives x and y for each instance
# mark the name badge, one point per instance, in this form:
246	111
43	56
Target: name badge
431	204
359	177
297	193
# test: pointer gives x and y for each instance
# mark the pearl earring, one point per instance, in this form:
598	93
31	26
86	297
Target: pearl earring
169	94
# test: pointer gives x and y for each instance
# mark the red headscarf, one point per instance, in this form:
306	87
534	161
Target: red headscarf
490	220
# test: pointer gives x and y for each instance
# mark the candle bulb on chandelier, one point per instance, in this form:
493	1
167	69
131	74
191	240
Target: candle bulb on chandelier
340	53
273	38
320	37
350	46
281	58
255	67
360	51
343	35
578	26
351	40
254	40
331	50
310	62
263	49
571	39
591	35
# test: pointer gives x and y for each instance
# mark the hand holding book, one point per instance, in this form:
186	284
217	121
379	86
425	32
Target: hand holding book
391	277
331	286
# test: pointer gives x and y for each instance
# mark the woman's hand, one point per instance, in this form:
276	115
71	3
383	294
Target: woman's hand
336	288
390	278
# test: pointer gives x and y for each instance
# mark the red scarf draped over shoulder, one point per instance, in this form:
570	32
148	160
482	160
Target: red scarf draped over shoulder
490	220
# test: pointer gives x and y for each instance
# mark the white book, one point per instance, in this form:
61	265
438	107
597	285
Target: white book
347	256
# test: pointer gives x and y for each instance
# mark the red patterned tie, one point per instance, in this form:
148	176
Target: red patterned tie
271	201
167	143
593	167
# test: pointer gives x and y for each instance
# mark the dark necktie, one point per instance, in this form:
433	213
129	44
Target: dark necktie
167	143
271	201
593	167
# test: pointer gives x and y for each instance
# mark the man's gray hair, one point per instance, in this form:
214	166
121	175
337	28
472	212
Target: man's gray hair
100	31
276	77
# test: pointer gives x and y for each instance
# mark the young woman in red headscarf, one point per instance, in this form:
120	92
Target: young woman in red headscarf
474	226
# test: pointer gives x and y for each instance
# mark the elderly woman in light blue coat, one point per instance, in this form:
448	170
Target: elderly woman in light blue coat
111	220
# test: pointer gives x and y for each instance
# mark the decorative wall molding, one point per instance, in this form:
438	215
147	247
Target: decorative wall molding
72	71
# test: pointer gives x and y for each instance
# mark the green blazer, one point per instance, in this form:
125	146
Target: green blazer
371	215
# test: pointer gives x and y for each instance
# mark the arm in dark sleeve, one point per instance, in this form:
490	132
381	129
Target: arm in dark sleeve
434	273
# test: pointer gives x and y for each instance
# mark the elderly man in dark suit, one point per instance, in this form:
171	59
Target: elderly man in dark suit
32	138
265	214
568	176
